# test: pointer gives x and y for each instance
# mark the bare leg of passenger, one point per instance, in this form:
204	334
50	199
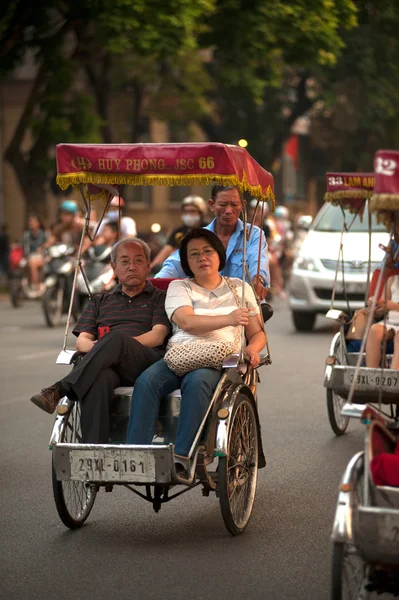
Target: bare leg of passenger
373	346
395	356
34	265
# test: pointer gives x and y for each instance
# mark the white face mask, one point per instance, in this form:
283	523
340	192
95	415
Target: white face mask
113	215
191	220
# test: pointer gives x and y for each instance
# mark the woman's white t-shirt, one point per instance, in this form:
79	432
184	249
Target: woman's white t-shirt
219	301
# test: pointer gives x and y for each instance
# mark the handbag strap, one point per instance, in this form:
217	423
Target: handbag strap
234	290
237	330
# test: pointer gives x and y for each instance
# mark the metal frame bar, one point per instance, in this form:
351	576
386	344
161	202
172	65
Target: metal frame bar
79	265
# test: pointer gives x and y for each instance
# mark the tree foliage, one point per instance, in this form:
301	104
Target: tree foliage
238	68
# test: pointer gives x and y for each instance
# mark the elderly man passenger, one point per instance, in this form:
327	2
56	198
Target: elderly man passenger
226	206
123	332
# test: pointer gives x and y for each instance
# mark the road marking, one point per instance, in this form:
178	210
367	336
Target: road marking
37	355
11	329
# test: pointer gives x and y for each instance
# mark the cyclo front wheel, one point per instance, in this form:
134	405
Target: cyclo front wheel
73	499
238	471
349	571
335	403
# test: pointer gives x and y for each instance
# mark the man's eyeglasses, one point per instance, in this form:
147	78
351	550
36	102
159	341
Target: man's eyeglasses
139	262
196	255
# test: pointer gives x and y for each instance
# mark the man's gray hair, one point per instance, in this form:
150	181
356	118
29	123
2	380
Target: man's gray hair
130	240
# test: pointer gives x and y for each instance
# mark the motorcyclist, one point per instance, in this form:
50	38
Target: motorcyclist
127	224
68	229
276	277
193	212
284	240
33	240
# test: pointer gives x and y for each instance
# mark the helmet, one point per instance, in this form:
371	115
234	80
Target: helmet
117	200
266	208
282	212
69	206
196	201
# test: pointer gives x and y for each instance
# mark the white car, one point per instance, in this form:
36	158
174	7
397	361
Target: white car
312	279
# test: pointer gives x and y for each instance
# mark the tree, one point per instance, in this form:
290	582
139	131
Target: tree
77	47
264	58
360	96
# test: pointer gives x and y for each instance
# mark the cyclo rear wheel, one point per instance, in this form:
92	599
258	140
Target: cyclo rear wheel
73	499
238	471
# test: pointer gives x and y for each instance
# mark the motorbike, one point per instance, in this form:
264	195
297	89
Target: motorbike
18	282
99	276
58	280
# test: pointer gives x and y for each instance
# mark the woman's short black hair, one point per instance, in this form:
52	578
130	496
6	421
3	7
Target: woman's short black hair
213	241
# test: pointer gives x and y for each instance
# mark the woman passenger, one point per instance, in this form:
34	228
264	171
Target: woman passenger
33	241
390	328
202	307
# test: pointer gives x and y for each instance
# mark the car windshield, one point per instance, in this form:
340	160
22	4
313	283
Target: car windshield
330	219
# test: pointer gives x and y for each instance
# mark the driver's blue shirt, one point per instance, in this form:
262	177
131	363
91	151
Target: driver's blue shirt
234	256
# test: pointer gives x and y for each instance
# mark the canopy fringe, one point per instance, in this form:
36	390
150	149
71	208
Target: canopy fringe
75	179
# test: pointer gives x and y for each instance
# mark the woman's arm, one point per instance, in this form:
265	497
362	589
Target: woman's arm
185	318
385	302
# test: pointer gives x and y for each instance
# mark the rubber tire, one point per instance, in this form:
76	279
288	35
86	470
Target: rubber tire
15	290
331	415
46	305
336	571
59	497
232	527
303	321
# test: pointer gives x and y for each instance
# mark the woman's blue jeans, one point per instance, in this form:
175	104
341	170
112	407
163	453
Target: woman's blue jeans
157	381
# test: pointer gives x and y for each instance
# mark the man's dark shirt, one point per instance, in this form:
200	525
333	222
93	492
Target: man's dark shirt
117	310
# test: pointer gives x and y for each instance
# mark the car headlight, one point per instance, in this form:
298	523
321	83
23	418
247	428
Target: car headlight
305	264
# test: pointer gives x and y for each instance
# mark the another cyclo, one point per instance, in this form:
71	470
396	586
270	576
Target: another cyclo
366	526
229	434
345	362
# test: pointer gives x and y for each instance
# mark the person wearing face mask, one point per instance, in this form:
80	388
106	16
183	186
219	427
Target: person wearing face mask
193	211
128	225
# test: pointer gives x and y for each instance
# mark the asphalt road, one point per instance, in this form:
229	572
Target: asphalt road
126	551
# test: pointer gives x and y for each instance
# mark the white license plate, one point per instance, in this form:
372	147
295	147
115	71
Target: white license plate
112	465
352	287
372	380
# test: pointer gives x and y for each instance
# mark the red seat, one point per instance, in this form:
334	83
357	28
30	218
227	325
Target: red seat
374	280
161	283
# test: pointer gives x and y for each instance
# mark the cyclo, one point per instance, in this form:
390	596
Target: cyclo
366	526
230	431
345	362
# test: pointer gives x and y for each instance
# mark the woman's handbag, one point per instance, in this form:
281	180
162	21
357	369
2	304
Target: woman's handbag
183	358
357	325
